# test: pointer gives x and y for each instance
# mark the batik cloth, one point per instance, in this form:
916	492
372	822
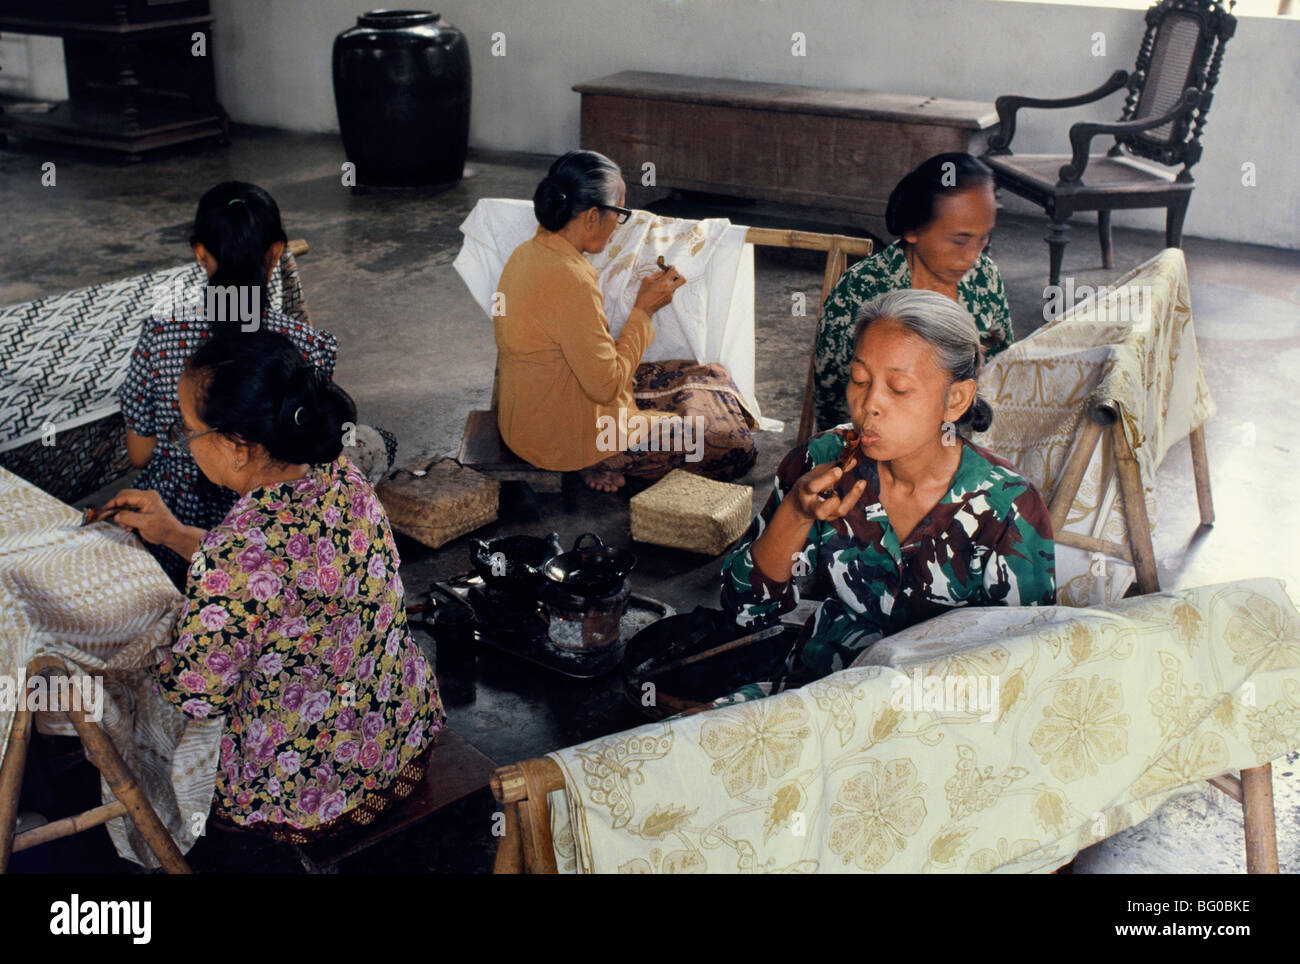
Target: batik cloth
712	434
1131	348
980	292
150	401
711	317
91	596
295	629
988	542
1098	717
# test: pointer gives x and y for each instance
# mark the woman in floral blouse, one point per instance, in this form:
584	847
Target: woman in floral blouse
917	521
295	625
942	214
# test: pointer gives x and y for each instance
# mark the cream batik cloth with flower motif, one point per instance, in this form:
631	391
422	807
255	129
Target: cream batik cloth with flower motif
96	599
1064	726
711	317
1136	345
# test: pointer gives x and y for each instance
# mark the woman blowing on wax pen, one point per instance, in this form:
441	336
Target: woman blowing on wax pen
917	521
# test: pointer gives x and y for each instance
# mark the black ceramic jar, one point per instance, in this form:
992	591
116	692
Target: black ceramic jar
402	89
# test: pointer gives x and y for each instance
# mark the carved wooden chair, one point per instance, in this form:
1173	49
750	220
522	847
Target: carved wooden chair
1169	95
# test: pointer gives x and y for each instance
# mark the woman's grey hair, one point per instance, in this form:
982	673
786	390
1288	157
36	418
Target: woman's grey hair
948	328
576	182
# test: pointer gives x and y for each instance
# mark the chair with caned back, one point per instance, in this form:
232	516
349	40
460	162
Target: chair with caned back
1169	95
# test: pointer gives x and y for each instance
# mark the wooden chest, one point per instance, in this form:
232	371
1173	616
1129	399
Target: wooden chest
809	146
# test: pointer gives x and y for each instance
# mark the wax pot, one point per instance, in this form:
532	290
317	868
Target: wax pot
585	592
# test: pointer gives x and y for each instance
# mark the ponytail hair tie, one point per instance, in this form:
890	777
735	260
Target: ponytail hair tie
297	415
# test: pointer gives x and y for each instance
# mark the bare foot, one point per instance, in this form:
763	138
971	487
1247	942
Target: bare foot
603	479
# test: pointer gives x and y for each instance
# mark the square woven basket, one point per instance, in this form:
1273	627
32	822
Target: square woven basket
687	511
438	500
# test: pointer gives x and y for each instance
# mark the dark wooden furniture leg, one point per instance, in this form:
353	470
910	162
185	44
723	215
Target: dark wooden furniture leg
1058	235
1103	235
1174	221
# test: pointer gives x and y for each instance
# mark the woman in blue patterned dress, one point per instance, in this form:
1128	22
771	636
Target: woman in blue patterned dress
238	239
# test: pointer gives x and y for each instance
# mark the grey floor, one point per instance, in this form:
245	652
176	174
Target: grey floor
417	354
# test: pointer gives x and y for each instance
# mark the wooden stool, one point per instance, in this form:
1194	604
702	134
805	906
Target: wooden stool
457	769
482	449
129	799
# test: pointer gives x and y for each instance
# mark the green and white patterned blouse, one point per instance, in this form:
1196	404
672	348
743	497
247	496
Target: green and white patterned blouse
981	291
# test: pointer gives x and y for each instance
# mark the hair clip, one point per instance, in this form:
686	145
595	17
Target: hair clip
297	415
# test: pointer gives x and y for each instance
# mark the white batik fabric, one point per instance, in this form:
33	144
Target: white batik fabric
711	317
95	599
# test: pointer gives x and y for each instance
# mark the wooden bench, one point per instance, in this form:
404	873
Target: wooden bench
808	146
457	769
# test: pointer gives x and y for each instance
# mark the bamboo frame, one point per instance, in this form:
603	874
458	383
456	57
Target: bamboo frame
130	799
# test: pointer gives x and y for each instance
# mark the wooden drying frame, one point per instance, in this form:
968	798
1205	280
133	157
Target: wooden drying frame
130	799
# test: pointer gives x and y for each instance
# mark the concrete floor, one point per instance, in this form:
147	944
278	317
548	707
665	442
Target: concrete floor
417	354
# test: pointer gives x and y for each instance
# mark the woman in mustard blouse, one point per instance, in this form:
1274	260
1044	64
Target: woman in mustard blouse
564	377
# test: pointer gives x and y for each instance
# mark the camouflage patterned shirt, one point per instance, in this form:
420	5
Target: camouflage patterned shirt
987	542
981	292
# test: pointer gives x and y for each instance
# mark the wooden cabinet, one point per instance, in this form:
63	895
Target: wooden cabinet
137	80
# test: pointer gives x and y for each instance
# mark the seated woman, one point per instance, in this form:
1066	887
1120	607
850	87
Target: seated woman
942	213
295	623
902	516
566	384
238	239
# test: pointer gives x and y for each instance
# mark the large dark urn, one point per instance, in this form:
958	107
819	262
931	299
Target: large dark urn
401	85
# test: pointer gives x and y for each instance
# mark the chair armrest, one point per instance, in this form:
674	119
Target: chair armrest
1008	104
1081	134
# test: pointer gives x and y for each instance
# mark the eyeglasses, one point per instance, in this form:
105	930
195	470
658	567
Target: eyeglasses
180	438
623	213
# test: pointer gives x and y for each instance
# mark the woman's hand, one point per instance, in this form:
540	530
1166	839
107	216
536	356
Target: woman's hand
146	514
814	497
786	535
657	289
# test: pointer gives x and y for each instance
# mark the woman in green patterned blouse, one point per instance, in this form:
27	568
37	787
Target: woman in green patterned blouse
942	213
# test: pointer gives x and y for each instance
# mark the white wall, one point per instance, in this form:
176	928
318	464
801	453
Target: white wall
273	68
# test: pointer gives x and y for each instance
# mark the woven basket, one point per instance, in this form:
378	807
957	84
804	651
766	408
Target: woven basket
438	500
687	511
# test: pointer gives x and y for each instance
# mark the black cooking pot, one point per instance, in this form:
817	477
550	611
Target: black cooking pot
513	564
593	571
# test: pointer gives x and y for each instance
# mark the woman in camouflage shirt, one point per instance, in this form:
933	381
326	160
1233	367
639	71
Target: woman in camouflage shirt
942	213
917	521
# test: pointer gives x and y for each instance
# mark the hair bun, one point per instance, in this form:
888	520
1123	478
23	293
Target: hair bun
980	415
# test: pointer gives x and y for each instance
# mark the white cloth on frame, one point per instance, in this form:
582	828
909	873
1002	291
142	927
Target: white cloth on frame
711	317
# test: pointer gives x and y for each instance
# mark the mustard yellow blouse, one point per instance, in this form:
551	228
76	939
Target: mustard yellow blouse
560	370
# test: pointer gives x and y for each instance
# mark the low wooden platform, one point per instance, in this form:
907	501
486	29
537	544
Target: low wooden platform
482	450
457	770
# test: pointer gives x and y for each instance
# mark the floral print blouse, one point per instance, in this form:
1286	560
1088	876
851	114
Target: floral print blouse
295	629
981	292
988	542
